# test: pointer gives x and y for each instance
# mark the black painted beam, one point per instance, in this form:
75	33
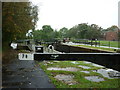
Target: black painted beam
109	60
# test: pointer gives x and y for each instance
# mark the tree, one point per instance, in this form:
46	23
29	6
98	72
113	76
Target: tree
38	34
82	29
34	14
112	28
45	34
47	28
72	33
94	32
63	32
85	31
17	19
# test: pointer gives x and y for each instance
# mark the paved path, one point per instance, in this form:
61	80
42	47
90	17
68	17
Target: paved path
25	74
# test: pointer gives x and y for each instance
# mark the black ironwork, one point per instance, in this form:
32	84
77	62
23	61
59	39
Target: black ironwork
109	60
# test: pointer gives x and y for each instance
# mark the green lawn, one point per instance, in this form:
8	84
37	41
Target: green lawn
78	76
93	47
109	43
104	43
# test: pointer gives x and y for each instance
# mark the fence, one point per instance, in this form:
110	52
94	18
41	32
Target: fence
97	43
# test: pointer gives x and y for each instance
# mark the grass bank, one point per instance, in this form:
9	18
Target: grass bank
109	43
102	42
93	47
78	76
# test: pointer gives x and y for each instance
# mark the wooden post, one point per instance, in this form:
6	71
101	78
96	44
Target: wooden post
99	43
95	43
91	42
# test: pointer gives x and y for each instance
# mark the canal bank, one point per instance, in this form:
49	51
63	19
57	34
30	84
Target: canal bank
78	49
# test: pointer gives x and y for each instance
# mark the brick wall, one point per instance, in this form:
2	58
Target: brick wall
112	36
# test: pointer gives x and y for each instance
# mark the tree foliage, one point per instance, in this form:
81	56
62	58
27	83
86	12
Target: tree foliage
63	32
46	33
17	19
80	31
112	28
85	31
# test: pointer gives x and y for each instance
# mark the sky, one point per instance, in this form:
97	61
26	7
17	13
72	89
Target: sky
68	13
